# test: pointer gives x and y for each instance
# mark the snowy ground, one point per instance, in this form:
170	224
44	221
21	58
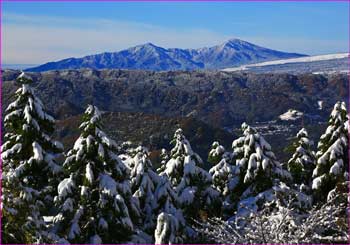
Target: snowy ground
293	60
291	114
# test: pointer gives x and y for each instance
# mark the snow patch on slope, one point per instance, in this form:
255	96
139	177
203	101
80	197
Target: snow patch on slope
291	115
288	61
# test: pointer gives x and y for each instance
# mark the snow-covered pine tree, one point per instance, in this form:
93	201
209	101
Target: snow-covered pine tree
302	162
167	228
257	168
192	183
215	153
224	176
143	184
170	221
95	200
223	171
164	158
30	170
332	154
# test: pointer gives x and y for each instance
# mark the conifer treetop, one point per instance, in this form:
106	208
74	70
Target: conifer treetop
24	78
223	175
30	169
95	201
333	141
29	107
143	184
332	155
303	160
216	152
253	153
182	167
191	182
183	148
216	149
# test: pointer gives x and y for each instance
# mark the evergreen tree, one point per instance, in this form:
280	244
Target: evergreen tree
164	157
257	169
192	183
223	171
167	229
302	162
95	201
143	184
167	199
216	152
224	176
332	153
30	170
170	221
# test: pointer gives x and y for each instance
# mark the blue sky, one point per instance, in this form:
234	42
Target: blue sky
38	32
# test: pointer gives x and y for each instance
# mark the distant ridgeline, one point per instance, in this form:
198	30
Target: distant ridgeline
98	191
148	56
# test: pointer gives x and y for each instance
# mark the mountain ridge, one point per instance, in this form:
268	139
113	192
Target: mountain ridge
148	99
149	56
215	97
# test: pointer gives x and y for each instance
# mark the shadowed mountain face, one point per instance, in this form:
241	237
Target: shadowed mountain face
147	106
148	56
217	98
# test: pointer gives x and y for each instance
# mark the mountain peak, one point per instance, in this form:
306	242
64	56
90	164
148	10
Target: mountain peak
151	45
147	46
235	42
148	56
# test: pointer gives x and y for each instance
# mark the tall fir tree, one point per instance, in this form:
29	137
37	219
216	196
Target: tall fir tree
332	154
302	162
143	184
224	175
95	201
164	158
192	183
257	169
30	170
223	171
170	220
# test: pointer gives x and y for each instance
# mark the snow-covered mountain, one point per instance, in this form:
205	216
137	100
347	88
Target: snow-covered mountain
330	63
233	52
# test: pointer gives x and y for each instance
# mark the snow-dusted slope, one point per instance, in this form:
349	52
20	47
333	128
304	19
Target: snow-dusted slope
330	62
234	52
291	115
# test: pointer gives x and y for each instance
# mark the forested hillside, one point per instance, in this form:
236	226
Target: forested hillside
100	191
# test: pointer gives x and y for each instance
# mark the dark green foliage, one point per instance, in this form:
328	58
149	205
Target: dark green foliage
143	184
302	162
332	154
192	183
95	202
30	172
257	168
215	154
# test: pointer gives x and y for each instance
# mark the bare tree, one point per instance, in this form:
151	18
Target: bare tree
322	224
